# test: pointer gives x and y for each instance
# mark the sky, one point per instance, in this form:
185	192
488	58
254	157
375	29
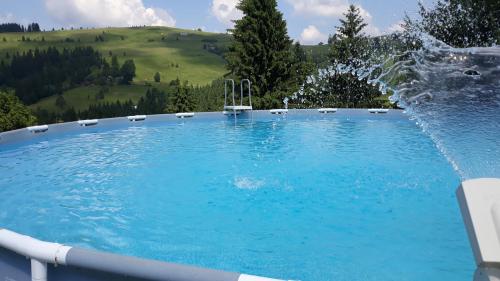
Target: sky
309	21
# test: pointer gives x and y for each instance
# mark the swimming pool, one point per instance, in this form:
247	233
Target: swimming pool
344	196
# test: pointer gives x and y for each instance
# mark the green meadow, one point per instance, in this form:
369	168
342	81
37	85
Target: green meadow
174	53
80	98
189	55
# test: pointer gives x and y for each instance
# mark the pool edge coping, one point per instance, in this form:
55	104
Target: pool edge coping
18	135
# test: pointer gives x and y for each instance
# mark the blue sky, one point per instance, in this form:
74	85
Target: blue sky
309	21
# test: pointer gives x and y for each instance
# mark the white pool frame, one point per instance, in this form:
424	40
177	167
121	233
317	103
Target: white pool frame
53	261
479	201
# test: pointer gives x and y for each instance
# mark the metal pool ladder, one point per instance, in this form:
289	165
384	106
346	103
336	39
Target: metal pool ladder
237	109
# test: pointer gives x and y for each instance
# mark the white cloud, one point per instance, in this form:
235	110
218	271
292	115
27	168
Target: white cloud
372	30
311	35
325	8
8	17
225	11
397	27
332	9
101	13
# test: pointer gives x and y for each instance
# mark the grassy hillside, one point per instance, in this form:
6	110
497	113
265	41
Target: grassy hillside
81	98
170	51
174	53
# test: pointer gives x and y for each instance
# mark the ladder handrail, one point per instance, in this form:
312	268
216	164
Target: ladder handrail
249	90
225	91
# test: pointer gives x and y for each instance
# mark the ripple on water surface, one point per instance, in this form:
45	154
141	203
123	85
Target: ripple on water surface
319	199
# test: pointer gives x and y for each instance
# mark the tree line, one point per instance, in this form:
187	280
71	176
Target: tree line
15	27
36	74
178	97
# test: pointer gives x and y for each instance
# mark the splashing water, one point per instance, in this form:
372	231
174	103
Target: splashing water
455	98
247	183
453	95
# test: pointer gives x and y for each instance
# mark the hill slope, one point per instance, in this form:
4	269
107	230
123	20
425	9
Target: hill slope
170	51
174	53
189	55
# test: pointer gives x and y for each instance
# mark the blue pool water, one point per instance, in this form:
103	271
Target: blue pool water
309	197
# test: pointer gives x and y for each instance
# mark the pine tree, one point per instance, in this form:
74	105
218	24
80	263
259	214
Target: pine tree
106	70
182	100
348	44
127	71
302	66
115	67
261	51
154	102
334	88
157	77
60	101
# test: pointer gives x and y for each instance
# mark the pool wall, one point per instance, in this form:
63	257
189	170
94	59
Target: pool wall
53	129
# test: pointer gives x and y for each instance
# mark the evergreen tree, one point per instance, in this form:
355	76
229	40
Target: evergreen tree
347	45
11	27
127	71
100	94
115	67
154	102
60	101
261	51
157	77
333	88
106	70
301	66
182	100
34	27
69	115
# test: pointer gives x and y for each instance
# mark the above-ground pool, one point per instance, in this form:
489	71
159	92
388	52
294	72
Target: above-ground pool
307	196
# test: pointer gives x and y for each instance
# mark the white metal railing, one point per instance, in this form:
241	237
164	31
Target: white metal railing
225	92
43	253
242	83
236	109
39	252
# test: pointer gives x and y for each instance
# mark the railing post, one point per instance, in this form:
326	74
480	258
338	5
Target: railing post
249	91
234	101
225	92
38	270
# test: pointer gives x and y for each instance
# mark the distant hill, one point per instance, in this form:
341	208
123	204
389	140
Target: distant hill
190	55
186	54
